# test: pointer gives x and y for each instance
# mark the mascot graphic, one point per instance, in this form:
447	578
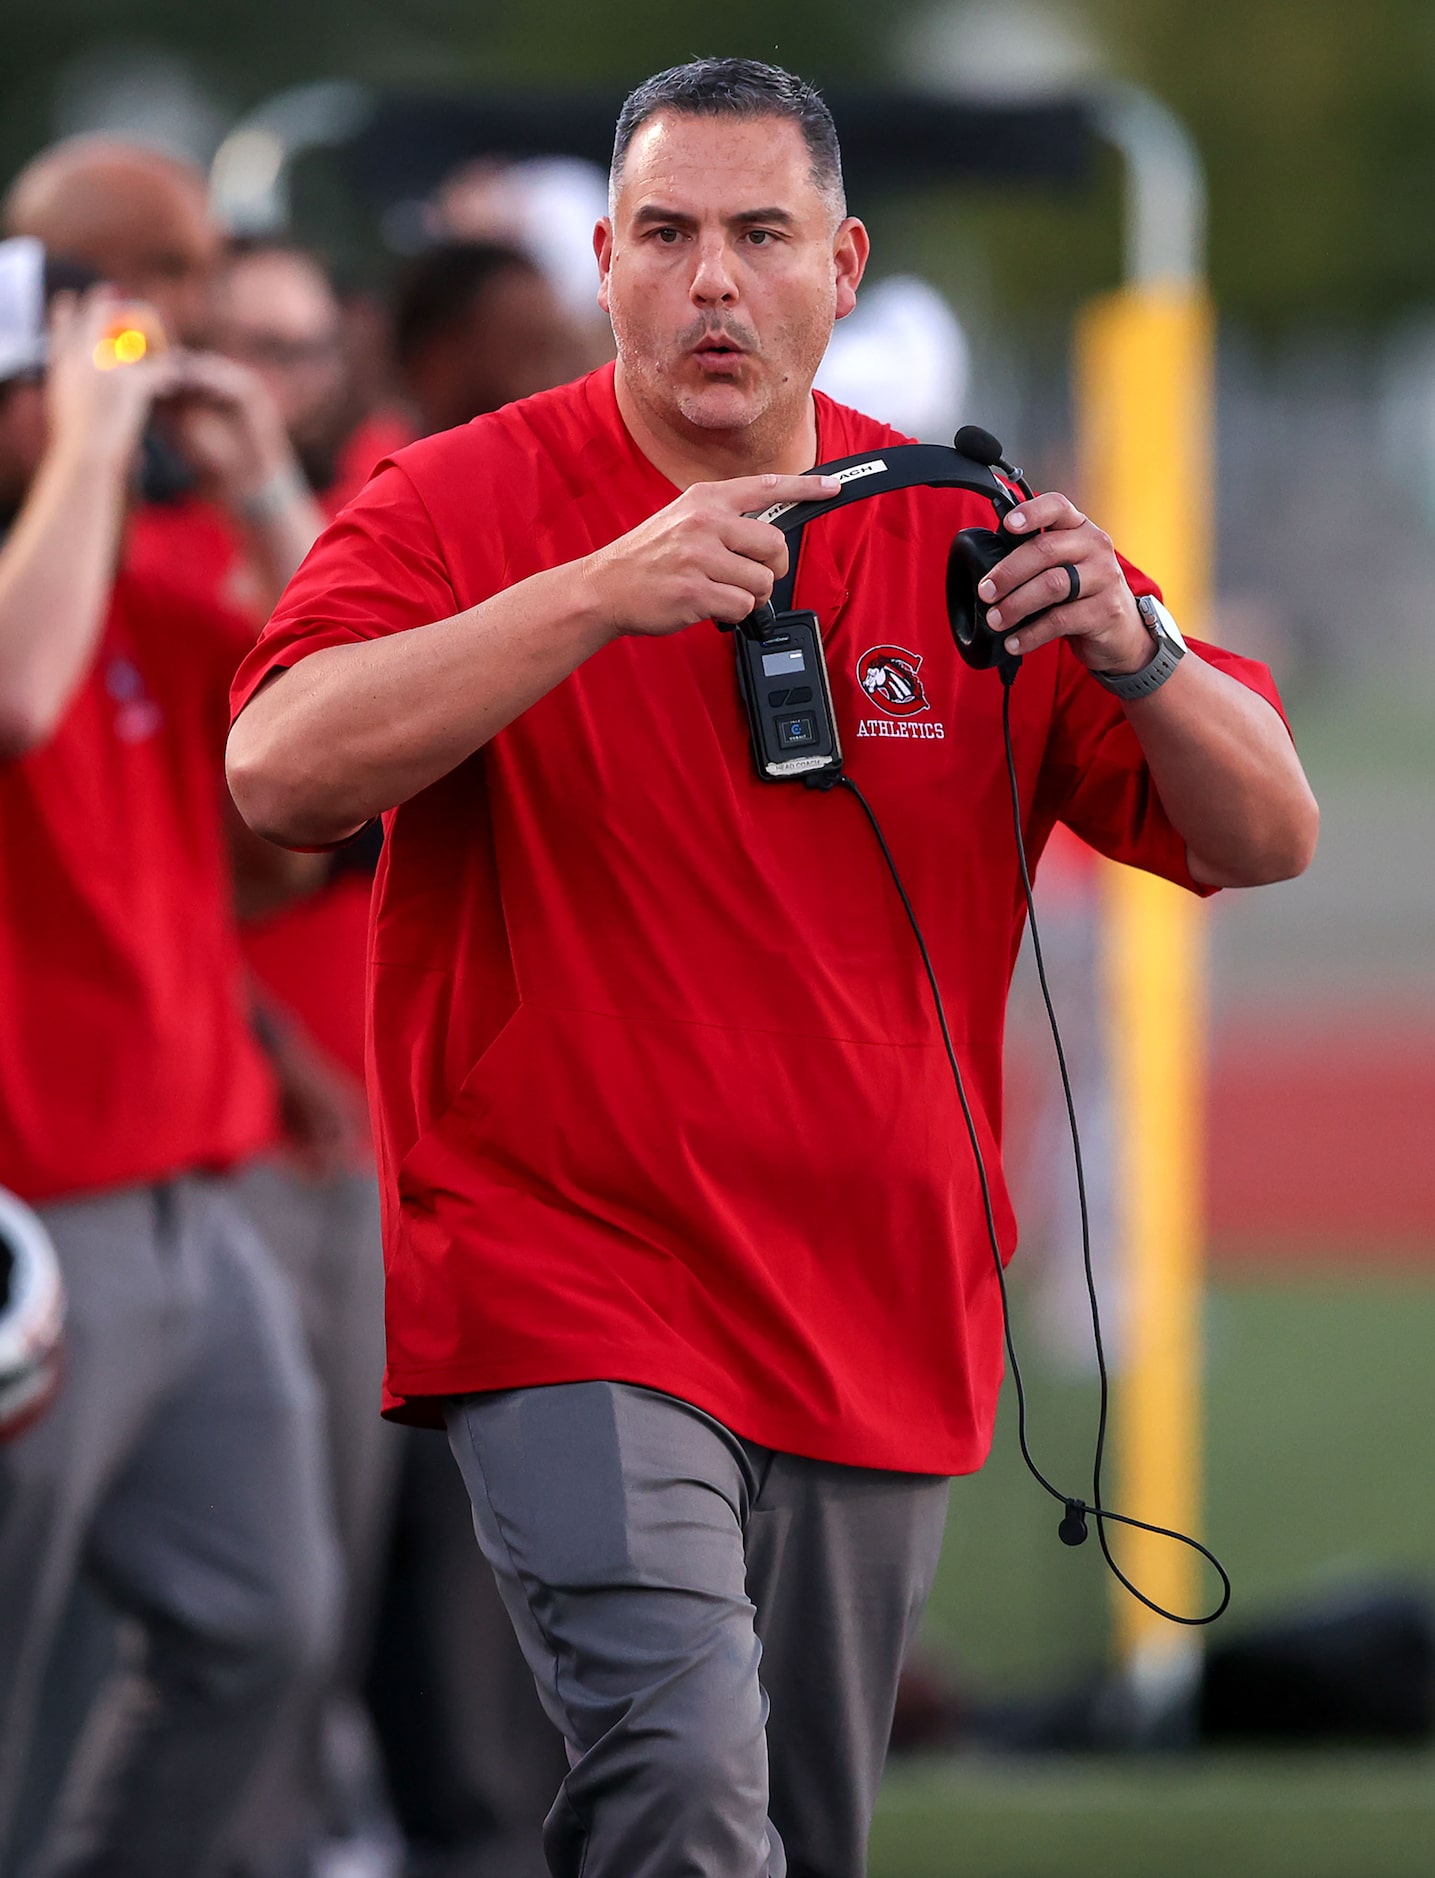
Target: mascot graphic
889	676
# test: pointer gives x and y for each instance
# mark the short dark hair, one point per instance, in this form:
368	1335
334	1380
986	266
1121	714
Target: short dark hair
437	290
737	88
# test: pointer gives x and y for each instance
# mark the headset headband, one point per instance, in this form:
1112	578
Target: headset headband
901	466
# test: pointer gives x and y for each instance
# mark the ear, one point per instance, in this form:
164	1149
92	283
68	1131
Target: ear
850	249
603	248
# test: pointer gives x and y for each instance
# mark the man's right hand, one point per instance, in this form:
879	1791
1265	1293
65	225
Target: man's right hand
99	410
705	556
351	730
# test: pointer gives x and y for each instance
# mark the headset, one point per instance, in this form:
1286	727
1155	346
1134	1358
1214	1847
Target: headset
793	727
782	678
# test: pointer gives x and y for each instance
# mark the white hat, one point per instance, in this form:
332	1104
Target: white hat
901	356
547	206
560	200
22	306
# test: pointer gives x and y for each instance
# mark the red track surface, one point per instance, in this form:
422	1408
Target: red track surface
1321	1141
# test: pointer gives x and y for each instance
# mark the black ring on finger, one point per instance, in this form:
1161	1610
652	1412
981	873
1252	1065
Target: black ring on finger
1073	582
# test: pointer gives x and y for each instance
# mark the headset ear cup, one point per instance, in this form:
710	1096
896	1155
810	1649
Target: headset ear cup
973	554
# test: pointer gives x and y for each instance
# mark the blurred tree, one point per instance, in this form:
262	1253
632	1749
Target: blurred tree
572	39
1316	118
245	51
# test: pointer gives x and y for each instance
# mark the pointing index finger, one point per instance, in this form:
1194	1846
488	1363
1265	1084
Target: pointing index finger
766	497
1050	510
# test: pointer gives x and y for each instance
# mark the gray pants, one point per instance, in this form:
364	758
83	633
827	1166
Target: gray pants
473	1762
324	1235
180	1467
649	1560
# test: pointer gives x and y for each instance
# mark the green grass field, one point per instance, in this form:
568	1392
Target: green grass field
1324	1816
1321	1472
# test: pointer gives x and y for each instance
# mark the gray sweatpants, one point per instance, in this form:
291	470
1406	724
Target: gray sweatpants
324	1236
650	1560
180	1466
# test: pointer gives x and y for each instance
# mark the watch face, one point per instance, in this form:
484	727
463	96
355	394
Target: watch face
1160	621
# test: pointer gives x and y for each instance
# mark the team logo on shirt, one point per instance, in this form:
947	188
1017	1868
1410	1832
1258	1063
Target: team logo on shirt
889	676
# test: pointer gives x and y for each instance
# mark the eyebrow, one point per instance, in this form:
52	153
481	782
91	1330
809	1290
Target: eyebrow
653	214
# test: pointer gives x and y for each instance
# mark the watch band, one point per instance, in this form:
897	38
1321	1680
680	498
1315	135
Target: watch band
1140	684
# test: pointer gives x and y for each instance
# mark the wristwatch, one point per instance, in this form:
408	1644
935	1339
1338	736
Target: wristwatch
1170	650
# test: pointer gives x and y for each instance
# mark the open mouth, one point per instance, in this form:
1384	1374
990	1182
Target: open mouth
718	352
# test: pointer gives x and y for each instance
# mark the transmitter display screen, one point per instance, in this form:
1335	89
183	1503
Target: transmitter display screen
783	664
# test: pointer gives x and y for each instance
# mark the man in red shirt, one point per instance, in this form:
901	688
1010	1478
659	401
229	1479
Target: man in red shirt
179	1465
685	1239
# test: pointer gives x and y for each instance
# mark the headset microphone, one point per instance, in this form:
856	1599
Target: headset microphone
982	447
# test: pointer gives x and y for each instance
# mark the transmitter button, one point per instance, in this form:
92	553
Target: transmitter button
794	732
779	698
802	695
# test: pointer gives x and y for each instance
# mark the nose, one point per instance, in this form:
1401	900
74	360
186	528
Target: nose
713	283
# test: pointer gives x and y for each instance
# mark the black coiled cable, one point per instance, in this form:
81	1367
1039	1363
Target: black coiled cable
1073	1527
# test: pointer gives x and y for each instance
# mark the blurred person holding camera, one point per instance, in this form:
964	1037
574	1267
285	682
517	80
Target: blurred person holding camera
277	312
227	510
141	220
179	1465
223	507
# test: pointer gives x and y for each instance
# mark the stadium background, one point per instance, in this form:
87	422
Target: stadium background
1316	126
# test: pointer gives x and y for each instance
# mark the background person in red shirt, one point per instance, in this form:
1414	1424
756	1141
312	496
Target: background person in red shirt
276	312
227	513
684	1239
476	325
277	315
470	1760
179	1464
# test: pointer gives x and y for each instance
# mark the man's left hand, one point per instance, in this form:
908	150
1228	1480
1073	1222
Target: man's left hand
228	427
1101	619
230	430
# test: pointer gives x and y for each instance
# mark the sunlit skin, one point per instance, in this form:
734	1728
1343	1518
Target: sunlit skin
723	267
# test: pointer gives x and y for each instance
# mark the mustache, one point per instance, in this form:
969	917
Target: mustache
726	332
